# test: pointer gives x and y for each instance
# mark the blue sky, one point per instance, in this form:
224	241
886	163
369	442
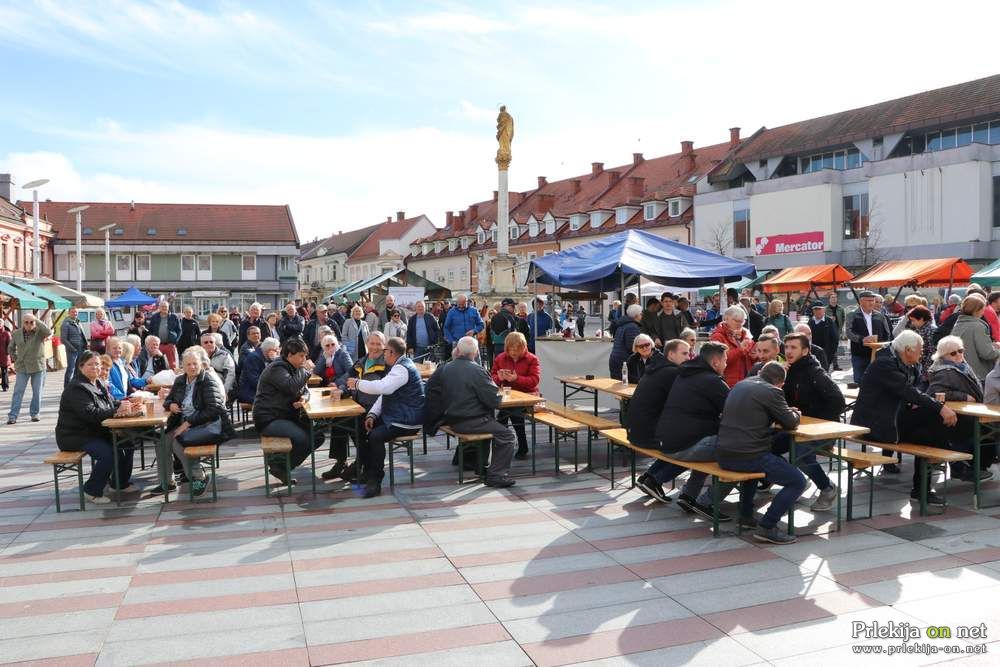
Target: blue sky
351	111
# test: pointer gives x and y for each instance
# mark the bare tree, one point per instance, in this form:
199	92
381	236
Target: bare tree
720	237
871	242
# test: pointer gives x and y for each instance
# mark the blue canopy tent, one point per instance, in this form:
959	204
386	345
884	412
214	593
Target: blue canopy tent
132	297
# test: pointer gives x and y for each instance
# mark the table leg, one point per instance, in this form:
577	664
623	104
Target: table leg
164	459
114	470
976	437
791	510
312	454
531	417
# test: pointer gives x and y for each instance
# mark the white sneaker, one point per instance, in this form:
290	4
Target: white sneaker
98	500
827	497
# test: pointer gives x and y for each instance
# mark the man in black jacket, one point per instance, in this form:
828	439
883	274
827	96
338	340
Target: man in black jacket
866	324
190	331
311	334
671	323
888	398
755	321
291	324
824	333
689	422
254	318
501	324
808	388
746	436
648	402
814	350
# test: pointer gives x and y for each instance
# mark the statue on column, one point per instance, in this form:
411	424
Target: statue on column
483	265
505	135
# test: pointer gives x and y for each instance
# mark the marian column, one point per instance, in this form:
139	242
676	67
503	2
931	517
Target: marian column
503	263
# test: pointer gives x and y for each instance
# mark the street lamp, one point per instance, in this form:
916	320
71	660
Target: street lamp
107	259
79	248
36	263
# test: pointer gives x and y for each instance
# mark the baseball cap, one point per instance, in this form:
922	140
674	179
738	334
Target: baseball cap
508	302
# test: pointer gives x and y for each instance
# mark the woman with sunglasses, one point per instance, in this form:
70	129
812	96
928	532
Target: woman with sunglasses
333	366
644	355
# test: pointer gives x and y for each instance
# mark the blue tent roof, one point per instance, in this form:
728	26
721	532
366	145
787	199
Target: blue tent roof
598	266
133	296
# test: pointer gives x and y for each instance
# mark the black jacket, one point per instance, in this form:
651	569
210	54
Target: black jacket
693	407
857	330
752	408
468	391
637	367
280	385
208	398
887	388
824	335
755	322
820	356
670	326
810	389
309	334
433	331
289	327
649	399
245	325
82	408
190	335
621	348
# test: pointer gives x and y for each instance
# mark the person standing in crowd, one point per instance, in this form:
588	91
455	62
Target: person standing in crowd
539	323
463	320
739	344
385	315
865	325
27	350
755	321
138	326
371	317
251	366
823	333
886	399
518	369
650	322
337	313
190	332
84	405
271	319
398	410
981	352
277	406
100	330
776	318
422	333
356	333
169	329
502	324
625	333
953	301
292	324
684	310
72	337
671	323
746	437
198	414
395	328
312	334
615	311
470	399
581	321
644	355
254	318
839	317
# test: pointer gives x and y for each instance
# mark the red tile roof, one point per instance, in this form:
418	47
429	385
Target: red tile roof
203	222
341	242
953	104
389	230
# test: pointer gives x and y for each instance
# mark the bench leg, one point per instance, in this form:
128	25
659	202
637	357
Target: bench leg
55	474
633	467
850	492
461	463
611	460
114	472
409	450
576	451
555	446
590	441
425	443
142	455
922	470
215	488
840	469
267	479
871	492
392	477
715	506
79	480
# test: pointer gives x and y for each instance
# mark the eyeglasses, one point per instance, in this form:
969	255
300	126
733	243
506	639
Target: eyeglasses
643	346
955	353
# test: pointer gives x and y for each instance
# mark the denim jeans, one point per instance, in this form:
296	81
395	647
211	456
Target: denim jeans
805	455
860	363
776	471
20	384
71	358
301	447
103	465
703	450
373	453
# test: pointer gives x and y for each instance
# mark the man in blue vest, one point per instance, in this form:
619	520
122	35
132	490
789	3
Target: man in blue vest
539	323
398	410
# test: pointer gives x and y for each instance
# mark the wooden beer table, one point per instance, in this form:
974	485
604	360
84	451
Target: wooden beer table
135	430
325	413
983	414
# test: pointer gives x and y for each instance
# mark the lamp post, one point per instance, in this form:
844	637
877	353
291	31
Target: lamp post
79	248
36	260
107	259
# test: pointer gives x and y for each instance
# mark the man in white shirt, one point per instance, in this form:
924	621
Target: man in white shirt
865	325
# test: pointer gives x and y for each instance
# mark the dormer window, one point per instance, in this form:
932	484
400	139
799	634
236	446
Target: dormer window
414	249
533	228
550	226
452	244
574	223
481	236
514	231
465	242
438	246
493	234
675	208
622	215
649	211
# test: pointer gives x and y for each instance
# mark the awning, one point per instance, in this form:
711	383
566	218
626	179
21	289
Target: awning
78	299
746	283
26	300
58	302
916	273
132	297
805	278
340	291
988	276
362	285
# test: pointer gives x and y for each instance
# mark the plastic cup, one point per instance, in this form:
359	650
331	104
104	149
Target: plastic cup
506	391
939	397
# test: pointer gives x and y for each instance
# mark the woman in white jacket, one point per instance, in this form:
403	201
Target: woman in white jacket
395	328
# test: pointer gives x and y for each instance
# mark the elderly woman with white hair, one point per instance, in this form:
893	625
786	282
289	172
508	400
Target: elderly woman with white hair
952	376
740	347
888	403
356	332
625	332
644	355
980	351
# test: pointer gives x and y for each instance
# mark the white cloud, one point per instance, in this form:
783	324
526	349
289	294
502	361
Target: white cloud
463	23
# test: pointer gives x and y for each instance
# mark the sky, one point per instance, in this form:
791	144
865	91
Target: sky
351	111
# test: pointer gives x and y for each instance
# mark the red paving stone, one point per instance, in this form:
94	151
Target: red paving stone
860	577
201	604
210	574
479	522
787	612
553	583
337	591
292	657
83	552
703	561
374	558
59	605
407	644
72	575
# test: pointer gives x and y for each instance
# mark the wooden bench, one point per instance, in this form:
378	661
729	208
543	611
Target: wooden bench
593	423
271	446
561	428
479	440
925	455
404	442
860	463
246	409
619	437
67	462
197	454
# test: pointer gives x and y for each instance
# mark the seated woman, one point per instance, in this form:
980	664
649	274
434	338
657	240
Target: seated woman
121	381
198	416
952	376
333	368
135	379
518	369
252	365
215	326
277	407
85	403
643	356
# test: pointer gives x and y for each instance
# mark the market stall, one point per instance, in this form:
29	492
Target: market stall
914	273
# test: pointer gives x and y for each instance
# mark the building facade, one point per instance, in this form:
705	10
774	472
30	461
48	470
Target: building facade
17	236
323	262
386	248
198	255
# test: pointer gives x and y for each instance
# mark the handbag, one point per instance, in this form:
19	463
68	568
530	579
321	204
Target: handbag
203	434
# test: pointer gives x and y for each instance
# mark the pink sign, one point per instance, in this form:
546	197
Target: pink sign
783	244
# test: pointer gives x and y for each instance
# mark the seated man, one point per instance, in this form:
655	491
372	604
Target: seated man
646	405
815	350
470	399
398	410
644	356
251	343
744	445
151	359
220	359
253	365
887	396
689	422
767	350
808	388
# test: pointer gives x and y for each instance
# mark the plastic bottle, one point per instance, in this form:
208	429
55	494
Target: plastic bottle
625	373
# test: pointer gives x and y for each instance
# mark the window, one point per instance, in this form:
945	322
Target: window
856	216
123	267
451	244
996	201
465	242
493	234
182	231
550	226
187	267
649	212
151	231
840	160
481	236
741	228
622	215
981	133
533	228
675	208
574	223
451	276
204	267
514	231
995	132
464	277
62	264
249	269
965	135
142	268
284	264
87	231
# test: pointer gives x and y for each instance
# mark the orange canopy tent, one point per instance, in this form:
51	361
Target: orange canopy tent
806	278
914	273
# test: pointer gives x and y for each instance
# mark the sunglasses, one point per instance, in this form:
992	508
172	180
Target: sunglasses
643	346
